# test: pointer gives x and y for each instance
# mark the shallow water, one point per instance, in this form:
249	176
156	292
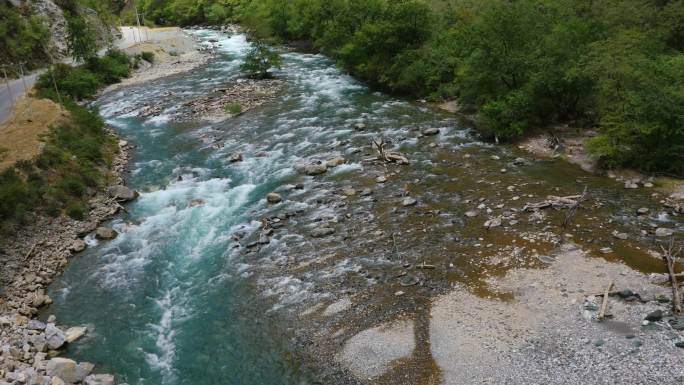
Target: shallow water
172	301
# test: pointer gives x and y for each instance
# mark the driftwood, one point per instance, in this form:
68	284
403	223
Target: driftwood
671	258
565	202
604	304
26	257
387	156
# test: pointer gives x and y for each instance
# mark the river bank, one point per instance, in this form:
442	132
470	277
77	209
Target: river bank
32	259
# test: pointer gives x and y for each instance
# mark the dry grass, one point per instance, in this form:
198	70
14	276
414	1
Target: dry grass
20	135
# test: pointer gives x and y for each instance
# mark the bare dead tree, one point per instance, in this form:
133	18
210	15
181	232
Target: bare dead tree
671	254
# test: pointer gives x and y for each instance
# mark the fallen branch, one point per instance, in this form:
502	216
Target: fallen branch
30	251
387	156
604	304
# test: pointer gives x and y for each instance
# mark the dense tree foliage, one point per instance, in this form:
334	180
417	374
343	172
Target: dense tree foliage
22	38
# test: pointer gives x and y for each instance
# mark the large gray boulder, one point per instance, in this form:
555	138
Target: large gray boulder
315	169
122	193
68	370
55	337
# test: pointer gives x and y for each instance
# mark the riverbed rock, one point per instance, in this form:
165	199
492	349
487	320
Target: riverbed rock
654	316
122	193
430	131
323	231
99	379
105	233
68	370
273	198
55	337
237	157
408	201
77	246
34	324
381	179
642	211
74	333
360	126
334	162
619	235
472	213
663	232
348	191
315	169
494	222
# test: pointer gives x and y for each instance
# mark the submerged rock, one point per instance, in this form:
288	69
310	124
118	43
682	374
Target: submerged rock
99	379
430	131
322	232
74	333
237	157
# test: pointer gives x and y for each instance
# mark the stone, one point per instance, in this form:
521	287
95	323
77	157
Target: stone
620	235
334	162
606	250
57	381
348	191
654	316
408	201
105	233
472	213
626	293
99	379
74	333
77	246
381	179
264	240
66	369
34	324
631	185
322	232
122	193
315	169
663	232
642	211
55	338
360	126
430	131
679	344
366	192
273	198
494	222
237	157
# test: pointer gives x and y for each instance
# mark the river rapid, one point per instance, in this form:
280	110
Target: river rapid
184	296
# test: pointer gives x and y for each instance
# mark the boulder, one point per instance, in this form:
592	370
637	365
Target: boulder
322	232
334	162
315	169
68	370
99	379
431	131
663	232
642	211
105	233
494	222
74	333
57	381
472	213
408	201
122	193
654	316
34	324
77	246
237	157
348	191
360	126
55	338
381	179
273	198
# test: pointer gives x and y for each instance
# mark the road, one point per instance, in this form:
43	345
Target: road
7	98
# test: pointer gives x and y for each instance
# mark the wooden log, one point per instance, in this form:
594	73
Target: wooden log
604	305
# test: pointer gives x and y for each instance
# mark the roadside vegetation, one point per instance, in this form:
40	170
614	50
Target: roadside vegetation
519	66
77	153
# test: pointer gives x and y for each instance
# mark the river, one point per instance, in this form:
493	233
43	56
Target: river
172	301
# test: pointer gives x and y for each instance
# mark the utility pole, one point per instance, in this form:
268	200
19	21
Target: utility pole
7	83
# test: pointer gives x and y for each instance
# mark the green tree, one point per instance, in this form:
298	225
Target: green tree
259	59
80	39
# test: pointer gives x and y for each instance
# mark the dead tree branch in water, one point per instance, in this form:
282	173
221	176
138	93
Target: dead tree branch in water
387	156
572	210
672	259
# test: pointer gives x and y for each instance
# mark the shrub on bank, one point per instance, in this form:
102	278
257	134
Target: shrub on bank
58	181
83	81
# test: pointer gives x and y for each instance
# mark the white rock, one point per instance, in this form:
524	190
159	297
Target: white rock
74	333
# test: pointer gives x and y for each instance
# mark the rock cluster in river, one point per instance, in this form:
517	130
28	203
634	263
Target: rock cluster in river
231	100
31	259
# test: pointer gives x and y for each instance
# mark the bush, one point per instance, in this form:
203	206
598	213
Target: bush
147	56
259	59
234	108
